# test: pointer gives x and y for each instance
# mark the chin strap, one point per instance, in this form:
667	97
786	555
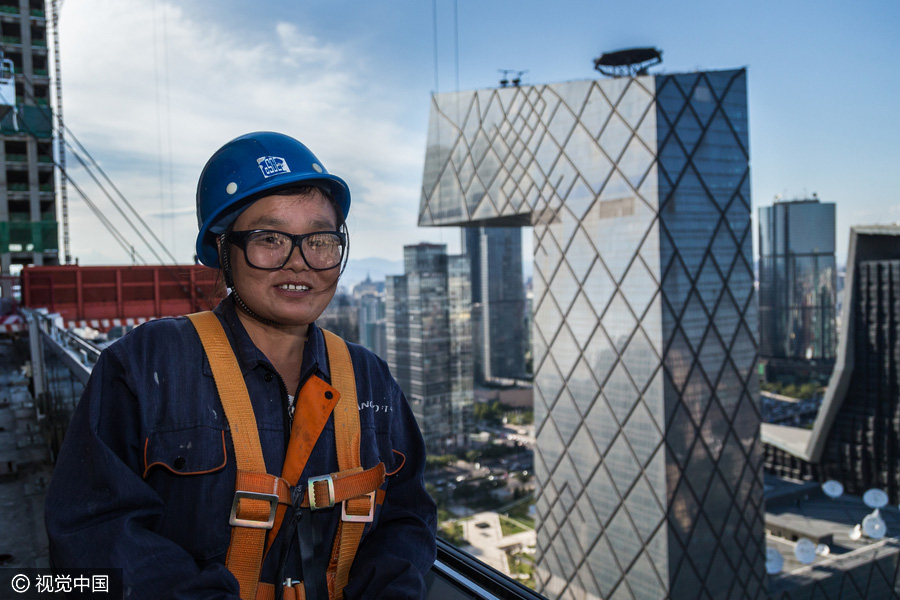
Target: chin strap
240	303
225	261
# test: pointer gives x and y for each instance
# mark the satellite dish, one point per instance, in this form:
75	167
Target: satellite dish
874	526
805	550
875	498
823	550
855	533
628	63
774	561
833	489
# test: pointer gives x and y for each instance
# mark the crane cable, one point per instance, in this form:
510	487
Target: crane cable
169	269
117	235
80	150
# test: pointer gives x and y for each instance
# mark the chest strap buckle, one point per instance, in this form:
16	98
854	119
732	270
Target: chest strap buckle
314	503
353	518
239	495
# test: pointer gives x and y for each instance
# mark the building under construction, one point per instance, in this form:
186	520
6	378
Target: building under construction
28	216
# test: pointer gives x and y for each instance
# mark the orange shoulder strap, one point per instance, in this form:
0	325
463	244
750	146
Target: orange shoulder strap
357	511
256	493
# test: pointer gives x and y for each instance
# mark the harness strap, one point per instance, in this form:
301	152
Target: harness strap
244	558
260	498
328	490
347	438
315	404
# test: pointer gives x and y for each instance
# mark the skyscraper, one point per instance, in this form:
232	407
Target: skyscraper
459	320
28	223
427	351
372	322
372	325
797	281
638	188
856	436
495	258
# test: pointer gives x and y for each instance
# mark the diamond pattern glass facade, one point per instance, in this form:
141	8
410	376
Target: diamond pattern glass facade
648	457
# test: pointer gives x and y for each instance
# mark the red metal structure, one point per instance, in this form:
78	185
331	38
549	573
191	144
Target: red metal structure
103	297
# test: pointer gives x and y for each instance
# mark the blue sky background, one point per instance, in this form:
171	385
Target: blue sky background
152	88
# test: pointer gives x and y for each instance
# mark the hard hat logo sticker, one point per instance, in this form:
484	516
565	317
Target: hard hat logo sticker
272	165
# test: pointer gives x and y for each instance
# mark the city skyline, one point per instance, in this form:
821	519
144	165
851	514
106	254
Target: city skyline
353	81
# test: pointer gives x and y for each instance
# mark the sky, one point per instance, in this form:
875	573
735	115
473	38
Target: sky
152	88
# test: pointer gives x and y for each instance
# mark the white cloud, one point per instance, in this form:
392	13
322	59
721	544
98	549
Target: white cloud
152	93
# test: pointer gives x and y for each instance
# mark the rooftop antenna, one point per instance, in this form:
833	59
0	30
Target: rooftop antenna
628	63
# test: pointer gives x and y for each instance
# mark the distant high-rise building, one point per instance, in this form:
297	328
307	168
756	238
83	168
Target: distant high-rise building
856	436
462	377
367	287
495	258
648	460
28	222
372	324
341	317
427	350
797	281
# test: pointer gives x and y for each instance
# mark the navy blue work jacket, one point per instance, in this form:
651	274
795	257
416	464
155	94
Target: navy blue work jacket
145	478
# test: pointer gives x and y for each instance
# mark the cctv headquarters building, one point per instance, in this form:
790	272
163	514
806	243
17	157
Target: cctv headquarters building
647	459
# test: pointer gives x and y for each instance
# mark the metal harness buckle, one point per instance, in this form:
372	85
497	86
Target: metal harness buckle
272	499
359	518
311	491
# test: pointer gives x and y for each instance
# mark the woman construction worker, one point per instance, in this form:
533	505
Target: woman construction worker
245	452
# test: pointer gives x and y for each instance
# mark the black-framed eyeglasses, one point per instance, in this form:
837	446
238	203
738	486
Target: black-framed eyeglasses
269	250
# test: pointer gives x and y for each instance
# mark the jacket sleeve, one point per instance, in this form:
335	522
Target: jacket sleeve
100	512
394	558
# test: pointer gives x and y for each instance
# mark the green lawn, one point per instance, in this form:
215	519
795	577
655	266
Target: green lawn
509	527
520	513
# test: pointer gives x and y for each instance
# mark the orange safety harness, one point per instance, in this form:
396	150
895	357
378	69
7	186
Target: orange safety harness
260	499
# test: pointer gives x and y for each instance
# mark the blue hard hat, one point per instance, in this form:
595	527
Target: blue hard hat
248	168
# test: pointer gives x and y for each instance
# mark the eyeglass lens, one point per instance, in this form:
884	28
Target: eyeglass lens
271	249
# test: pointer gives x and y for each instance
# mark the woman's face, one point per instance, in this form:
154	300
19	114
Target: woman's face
293	295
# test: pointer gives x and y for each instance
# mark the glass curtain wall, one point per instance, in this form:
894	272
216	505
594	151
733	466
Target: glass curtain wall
647	458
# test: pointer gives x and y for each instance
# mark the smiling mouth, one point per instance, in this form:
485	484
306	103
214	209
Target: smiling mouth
293	288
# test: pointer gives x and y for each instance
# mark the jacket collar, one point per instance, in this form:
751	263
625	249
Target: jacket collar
249	356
